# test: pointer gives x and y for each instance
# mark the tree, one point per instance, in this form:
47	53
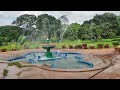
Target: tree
72	31
48	25
27	22
105	25
11	33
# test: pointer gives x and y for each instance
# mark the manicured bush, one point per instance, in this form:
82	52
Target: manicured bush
84	46
91	47
115	43
106	46
100	45
36	47
78	46
63	46
3	50
70	46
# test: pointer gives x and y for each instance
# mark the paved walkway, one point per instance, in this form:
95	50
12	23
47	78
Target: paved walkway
113	72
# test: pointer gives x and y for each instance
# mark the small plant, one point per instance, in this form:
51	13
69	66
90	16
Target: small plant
115	43
36	47
16	64
76	47
70	46
3	49
79	46
100	45
106	46
13	47
84	46
5	72
91	46
63	46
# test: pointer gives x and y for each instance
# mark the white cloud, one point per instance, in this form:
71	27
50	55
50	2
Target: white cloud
6	17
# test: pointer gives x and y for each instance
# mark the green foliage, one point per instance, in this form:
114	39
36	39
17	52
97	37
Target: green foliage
48	25
5	72
116	39
100	44
27	22
106	46
9	33
78	46
72	31
16	64
115	42
70	46
22	40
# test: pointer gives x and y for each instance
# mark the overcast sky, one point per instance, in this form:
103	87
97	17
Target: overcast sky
6	17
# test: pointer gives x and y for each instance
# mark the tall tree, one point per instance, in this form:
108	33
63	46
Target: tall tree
27	22
9	33
72	31
48	25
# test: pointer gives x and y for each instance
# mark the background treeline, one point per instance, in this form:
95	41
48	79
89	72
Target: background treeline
105	26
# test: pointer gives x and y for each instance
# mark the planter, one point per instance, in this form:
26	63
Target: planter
70	46
118	49
91	47
106	46
84	46
100	47
63	46
3	50
77	46
13	49
35	48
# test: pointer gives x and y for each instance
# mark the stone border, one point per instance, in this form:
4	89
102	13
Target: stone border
108	63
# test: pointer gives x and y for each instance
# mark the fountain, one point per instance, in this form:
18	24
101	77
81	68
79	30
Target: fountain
47	46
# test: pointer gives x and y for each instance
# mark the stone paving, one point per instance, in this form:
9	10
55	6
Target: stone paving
112	72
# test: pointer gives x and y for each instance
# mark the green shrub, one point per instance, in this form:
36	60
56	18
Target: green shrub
106	46
70	46
78	46
63	46
100	44
116	39
115	43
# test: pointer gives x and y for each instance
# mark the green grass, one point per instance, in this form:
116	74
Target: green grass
16	64
5	72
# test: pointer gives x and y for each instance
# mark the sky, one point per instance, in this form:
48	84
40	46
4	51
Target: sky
6	17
